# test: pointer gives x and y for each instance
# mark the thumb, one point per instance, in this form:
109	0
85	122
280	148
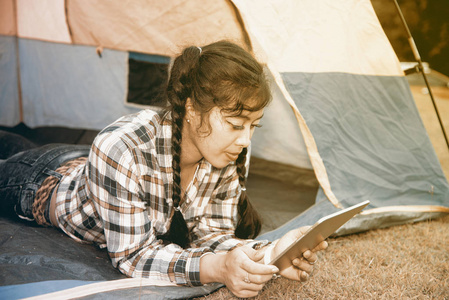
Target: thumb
254	255
249	251
258	255
299	232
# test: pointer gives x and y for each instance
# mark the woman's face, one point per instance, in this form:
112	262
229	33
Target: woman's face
221	141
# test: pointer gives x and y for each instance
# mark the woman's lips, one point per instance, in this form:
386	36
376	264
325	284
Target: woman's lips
232	156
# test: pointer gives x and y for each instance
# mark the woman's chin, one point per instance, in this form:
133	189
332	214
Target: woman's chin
221	163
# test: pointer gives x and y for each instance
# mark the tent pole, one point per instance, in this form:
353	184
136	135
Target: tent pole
411	41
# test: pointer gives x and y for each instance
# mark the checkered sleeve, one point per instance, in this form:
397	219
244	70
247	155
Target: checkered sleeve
115	183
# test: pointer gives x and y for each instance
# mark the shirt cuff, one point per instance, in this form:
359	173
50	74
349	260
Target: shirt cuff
256	245
192	267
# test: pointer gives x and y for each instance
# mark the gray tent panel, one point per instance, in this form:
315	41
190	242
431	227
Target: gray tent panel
374	147
9	96
52	73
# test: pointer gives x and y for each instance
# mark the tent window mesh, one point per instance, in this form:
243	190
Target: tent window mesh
147	78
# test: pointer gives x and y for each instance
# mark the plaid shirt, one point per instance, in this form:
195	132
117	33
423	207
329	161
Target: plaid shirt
122	199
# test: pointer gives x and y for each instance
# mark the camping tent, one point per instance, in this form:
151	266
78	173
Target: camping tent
334	74
49	51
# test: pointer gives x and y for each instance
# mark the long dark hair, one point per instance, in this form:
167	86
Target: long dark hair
221	74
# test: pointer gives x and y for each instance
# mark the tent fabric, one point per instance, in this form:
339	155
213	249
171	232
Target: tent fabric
114	289
204	23
21	291
31	253
9	92
375	147
110	290
8	18
319	36
365	221
156	27
43	20
280	138
51	72
344	37
39	261
354	107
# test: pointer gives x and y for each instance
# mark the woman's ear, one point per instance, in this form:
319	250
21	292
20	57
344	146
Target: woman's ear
190	111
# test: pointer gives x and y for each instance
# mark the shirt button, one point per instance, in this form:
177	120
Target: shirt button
197	218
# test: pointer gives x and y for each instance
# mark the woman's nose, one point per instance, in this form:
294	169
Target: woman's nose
244	139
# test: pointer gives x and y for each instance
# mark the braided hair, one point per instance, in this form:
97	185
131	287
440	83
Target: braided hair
221	75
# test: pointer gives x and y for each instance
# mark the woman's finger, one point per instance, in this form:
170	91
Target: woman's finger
255	282
260	279
303	265
297	233
321	246
304	276
310	256
252	267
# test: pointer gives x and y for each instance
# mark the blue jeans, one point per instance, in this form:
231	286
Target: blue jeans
22	174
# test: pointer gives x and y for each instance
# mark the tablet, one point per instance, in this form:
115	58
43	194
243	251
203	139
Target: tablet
321	230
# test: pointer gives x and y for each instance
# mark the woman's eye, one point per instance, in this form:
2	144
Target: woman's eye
238	127
242	127
235	126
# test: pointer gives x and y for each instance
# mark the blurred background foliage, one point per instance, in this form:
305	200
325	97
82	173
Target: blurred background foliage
428	21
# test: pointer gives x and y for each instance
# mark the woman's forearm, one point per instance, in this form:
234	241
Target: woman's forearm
212	267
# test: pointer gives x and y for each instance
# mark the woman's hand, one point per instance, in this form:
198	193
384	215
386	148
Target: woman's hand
302	265
238	269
